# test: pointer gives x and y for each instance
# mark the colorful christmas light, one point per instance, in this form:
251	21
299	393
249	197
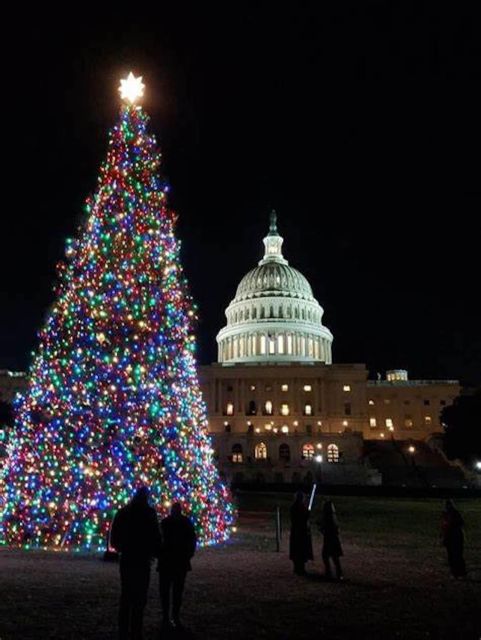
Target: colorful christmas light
113	400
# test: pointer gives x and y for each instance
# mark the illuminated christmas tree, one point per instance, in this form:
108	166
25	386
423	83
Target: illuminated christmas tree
113	400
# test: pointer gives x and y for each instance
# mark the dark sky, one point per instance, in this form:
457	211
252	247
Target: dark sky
361	126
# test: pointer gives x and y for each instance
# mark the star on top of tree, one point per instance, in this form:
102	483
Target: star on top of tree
131	88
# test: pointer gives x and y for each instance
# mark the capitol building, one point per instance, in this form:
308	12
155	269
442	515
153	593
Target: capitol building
282	410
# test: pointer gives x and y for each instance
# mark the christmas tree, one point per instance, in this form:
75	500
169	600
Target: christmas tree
113	401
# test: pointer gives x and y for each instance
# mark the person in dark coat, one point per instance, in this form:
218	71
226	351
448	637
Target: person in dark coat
331	547
300	542
452	536
135	535
178	547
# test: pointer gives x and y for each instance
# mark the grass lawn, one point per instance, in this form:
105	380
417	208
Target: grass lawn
397	582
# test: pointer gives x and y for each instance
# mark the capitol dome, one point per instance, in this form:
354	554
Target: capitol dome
274	317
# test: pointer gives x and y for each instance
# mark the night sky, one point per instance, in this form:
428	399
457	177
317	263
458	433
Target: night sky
360	126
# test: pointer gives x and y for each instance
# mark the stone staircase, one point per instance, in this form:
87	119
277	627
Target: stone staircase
425	468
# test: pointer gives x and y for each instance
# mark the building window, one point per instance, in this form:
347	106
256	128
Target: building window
309	429
272	345
252	408
427	420
387	401
260	451
372	422
346	387
371	403
229	410
227	427
253	387
308	452
389	423
284	452
268	387
263	345
332	453
280	344
307	387
285	428
268	408
427	403
308	410
230	388
284	409
442	403
289	343
347	409
285	387
237	453
408	422
407	402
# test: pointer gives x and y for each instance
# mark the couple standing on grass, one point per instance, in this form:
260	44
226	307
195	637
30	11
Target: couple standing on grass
136	536
300	544
452	537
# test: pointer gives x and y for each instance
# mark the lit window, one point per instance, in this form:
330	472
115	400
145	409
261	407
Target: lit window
308	410
308	452
229	410
237	453
272	345
427	420
346	387
332	453
408	422
372	422
268	408
307	387
389	423
284	409
253	387
280	344
387	401
295	423
285	387
285	428
263	345
289	344
260	451
371	402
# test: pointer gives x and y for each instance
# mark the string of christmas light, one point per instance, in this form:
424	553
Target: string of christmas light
113	400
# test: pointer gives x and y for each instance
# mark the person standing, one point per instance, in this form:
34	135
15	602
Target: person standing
300	542
331	548
135	535
178	548
452	536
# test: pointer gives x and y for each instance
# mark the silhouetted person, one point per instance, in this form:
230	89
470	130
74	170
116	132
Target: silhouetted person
300	542
331	548
135	535
452	535
178	547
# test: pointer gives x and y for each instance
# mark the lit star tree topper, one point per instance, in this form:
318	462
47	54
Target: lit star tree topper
131	88
113	400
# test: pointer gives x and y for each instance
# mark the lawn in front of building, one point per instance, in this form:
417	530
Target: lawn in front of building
397	581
